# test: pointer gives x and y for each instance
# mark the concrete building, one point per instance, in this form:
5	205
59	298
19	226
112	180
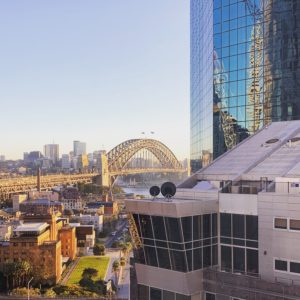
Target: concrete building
5	232
96	220
71	199
51	151
79	148
17	199
232	231
65	162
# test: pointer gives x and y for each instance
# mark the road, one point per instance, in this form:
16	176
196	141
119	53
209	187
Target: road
119	233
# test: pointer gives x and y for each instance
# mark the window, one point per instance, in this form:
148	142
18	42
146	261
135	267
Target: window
146	226
159	228
294	224
280	223
214	223
187	228
281	265
206	226
226	260
207	256
295	267
210	296
163	258
173	230
178	260
252	261
155	294
197	258
238	260
238	224
197	228
168	295
150	256
252	228
182	297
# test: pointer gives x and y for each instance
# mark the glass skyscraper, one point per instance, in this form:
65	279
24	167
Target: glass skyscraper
245	71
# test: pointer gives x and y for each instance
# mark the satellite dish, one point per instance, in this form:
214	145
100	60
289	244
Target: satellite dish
168	189
154	191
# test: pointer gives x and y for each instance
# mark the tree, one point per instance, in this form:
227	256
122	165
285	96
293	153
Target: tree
99	249
123	261
89	273
115	269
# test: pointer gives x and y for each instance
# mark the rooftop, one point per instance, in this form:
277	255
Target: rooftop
31	227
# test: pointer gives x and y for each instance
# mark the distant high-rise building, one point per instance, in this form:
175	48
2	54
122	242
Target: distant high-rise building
65	161
2	157
245	71
79	148
51	151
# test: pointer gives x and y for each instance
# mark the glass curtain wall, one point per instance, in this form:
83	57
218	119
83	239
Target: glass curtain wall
254	49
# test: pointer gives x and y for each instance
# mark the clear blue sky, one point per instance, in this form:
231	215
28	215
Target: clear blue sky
99	71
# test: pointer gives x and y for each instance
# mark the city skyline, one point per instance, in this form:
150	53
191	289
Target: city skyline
65	62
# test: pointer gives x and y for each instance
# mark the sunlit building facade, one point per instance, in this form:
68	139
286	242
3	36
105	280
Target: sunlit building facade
244	71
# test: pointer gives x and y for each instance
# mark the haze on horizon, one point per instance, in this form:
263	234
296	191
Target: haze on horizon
96	71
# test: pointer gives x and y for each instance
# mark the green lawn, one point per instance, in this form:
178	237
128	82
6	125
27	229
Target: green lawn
99	263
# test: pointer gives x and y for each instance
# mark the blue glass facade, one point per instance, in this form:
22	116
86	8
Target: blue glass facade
245	71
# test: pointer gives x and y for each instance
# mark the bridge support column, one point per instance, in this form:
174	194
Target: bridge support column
102	168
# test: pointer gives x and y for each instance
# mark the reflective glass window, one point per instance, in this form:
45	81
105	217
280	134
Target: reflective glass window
173	229
207	256
189	256
163	258
206	226
155	294
238	259
159	228
281	265
294	224
238	224
252	261
197	228
214	254
197	258
210	296
168	295
280	223
226	258
182	297
214	224
225	224
136	220
187	228
150	256
143	292
146	226
178	260
252	227
295	267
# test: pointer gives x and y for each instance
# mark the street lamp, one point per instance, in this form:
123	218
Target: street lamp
28	294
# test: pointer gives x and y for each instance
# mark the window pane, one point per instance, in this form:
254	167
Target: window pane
173	230
206	256
143	292
197	258
252	261
214	224
226	258
146	226
182	297
209	296
226	225
238	259
206	226
187	228
197	228
252	227
294	267
238	222
280	223
155	294
163	258
159	228
295	224
168	295
189	257
150	256
178	260
214	254
280	265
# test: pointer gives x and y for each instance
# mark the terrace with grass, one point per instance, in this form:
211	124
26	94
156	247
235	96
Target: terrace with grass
100	263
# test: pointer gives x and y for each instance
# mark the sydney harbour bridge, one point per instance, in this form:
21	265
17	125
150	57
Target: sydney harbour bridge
121	160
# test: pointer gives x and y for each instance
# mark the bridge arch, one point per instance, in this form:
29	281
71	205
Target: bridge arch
120	155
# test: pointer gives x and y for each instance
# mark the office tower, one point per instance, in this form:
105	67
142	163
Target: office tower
79	148
2	157
51	151
65	161
232	230
244	71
